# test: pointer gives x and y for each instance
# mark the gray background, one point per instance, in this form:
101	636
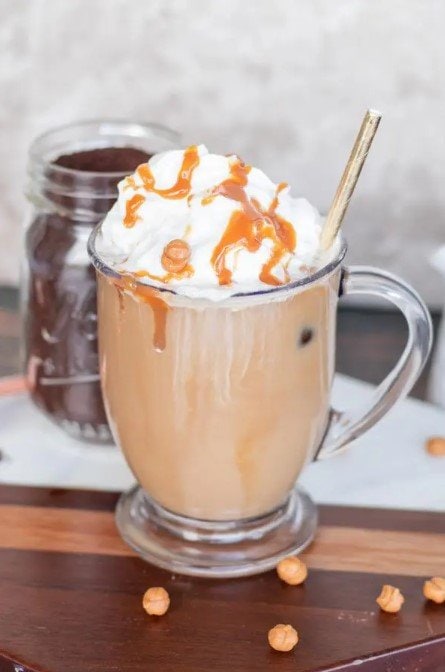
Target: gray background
284	83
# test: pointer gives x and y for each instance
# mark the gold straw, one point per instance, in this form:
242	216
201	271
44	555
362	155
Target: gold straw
349	178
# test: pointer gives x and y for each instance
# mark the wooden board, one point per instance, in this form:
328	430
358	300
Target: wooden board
70	596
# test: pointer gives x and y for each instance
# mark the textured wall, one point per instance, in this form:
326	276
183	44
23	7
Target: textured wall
283	83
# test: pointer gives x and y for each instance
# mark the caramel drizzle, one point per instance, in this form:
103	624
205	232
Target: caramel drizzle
159	307
284	242
131	210
180	189
186	272
249	226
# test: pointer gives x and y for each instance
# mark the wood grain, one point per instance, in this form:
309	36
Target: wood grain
71	612
381	519
336	548
377	551
65	498
10	664
71	596
426	657
341	516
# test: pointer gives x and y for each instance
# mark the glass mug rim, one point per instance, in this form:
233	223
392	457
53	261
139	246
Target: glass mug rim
328	269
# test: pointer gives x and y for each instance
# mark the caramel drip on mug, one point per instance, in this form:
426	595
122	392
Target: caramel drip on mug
159	307
120	298
180	189
249	226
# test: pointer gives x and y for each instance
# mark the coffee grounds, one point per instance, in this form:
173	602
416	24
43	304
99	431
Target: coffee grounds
104	160
61	321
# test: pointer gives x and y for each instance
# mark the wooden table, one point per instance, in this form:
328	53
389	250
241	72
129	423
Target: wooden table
71	594
369	341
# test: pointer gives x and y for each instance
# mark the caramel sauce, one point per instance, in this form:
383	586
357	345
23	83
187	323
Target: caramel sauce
120	298
238	177
131	210
249	226
186	272
184	269
239	231
181	188
159	307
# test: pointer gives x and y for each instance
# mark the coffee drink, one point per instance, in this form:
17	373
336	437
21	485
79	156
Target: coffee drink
217	390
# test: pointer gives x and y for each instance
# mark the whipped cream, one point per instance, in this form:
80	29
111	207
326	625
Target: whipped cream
240	232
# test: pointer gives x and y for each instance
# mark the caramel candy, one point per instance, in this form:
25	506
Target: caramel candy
390	599
434	589
175	256
436	446
283	637
292	570
156	601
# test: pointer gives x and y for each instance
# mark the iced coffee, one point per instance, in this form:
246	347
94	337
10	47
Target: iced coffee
216	355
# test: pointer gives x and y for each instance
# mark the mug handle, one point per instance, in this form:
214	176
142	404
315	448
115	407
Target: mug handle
346	426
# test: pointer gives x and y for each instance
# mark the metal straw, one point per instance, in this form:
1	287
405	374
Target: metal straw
349	178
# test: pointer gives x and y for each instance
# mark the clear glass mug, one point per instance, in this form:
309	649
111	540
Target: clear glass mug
218	407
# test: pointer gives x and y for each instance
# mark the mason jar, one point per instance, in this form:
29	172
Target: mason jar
73	173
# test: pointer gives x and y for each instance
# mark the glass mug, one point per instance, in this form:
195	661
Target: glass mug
219	406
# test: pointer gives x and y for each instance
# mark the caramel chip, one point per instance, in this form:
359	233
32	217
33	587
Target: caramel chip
436	446
390	599
292	570
283	637
434	589
175	256
156	601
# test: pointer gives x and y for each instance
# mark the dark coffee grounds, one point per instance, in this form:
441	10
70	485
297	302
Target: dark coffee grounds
105	160
61	321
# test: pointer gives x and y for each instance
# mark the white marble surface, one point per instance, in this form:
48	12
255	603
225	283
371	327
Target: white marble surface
387	467
282	83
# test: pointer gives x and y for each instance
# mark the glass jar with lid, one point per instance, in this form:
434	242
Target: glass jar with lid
73	173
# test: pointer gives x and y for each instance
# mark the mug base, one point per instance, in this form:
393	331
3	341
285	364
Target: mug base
215	549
